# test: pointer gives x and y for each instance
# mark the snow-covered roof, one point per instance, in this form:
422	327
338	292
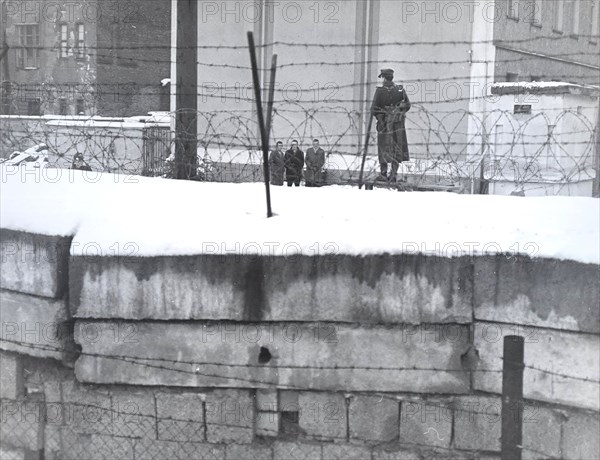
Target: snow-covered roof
544	87
157	216
139	121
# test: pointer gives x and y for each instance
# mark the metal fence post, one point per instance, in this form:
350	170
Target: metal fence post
512	398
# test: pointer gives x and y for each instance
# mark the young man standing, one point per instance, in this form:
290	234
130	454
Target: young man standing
294	162
315	160
276	164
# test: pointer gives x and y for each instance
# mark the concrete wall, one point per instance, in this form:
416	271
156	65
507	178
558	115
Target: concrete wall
115	145
549	151
229	358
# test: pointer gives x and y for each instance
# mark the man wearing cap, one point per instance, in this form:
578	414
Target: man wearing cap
79	163
390	105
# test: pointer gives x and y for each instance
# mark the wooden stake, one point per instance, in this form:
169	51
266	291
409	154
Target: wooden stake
261	120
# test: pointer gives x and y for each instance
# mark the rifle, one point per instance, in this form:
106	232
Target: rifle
362	166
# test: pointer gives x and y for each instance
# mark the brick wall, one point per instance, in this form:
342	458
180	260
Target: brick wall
388	357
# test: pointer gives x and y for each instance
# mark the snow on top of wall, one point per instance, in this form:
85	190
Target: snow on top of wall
112	214
536	84
542	87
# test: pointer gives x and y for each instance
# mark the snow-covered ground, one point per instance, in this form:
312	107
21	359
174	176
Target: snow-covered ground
112	214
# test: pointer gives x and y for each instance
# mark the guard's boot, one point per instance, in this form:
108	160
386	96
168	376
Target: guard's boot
383	175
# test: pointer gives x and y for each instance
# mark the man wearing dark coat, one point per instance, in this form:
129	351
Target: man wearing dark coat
276	164
315	160
79	163
294	162
390	105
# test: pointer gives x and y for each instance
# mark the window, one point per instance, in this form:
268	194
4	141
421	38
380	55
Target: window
34	107
79	41
575	23
63	106
537	13
63	47
594	13
29	42
557	22
510	77
80	109
5	106
513	9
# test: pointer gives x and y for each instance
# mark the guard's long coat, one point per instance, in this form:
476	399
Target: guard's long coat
390	105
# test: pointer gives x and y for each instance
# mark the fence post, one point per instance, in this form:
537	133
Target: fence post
512	398
186	147
264	134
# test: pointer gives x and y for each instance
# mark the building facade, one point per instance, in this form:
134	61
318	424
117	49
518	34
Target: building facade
556	40
49	66
85	58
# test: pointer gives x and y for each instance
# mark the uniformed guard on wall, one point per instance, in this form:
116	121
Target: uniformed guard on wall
390	105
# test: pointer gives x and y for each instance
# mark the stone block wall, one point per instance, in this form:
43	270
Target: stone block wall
329	357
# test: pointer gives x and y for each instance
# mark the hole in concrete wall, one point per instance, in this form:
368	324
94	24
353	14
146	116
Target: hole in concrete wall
264	356
290	422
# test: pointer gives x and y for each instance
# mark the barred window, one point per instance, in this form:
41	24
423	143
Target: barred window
29	42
